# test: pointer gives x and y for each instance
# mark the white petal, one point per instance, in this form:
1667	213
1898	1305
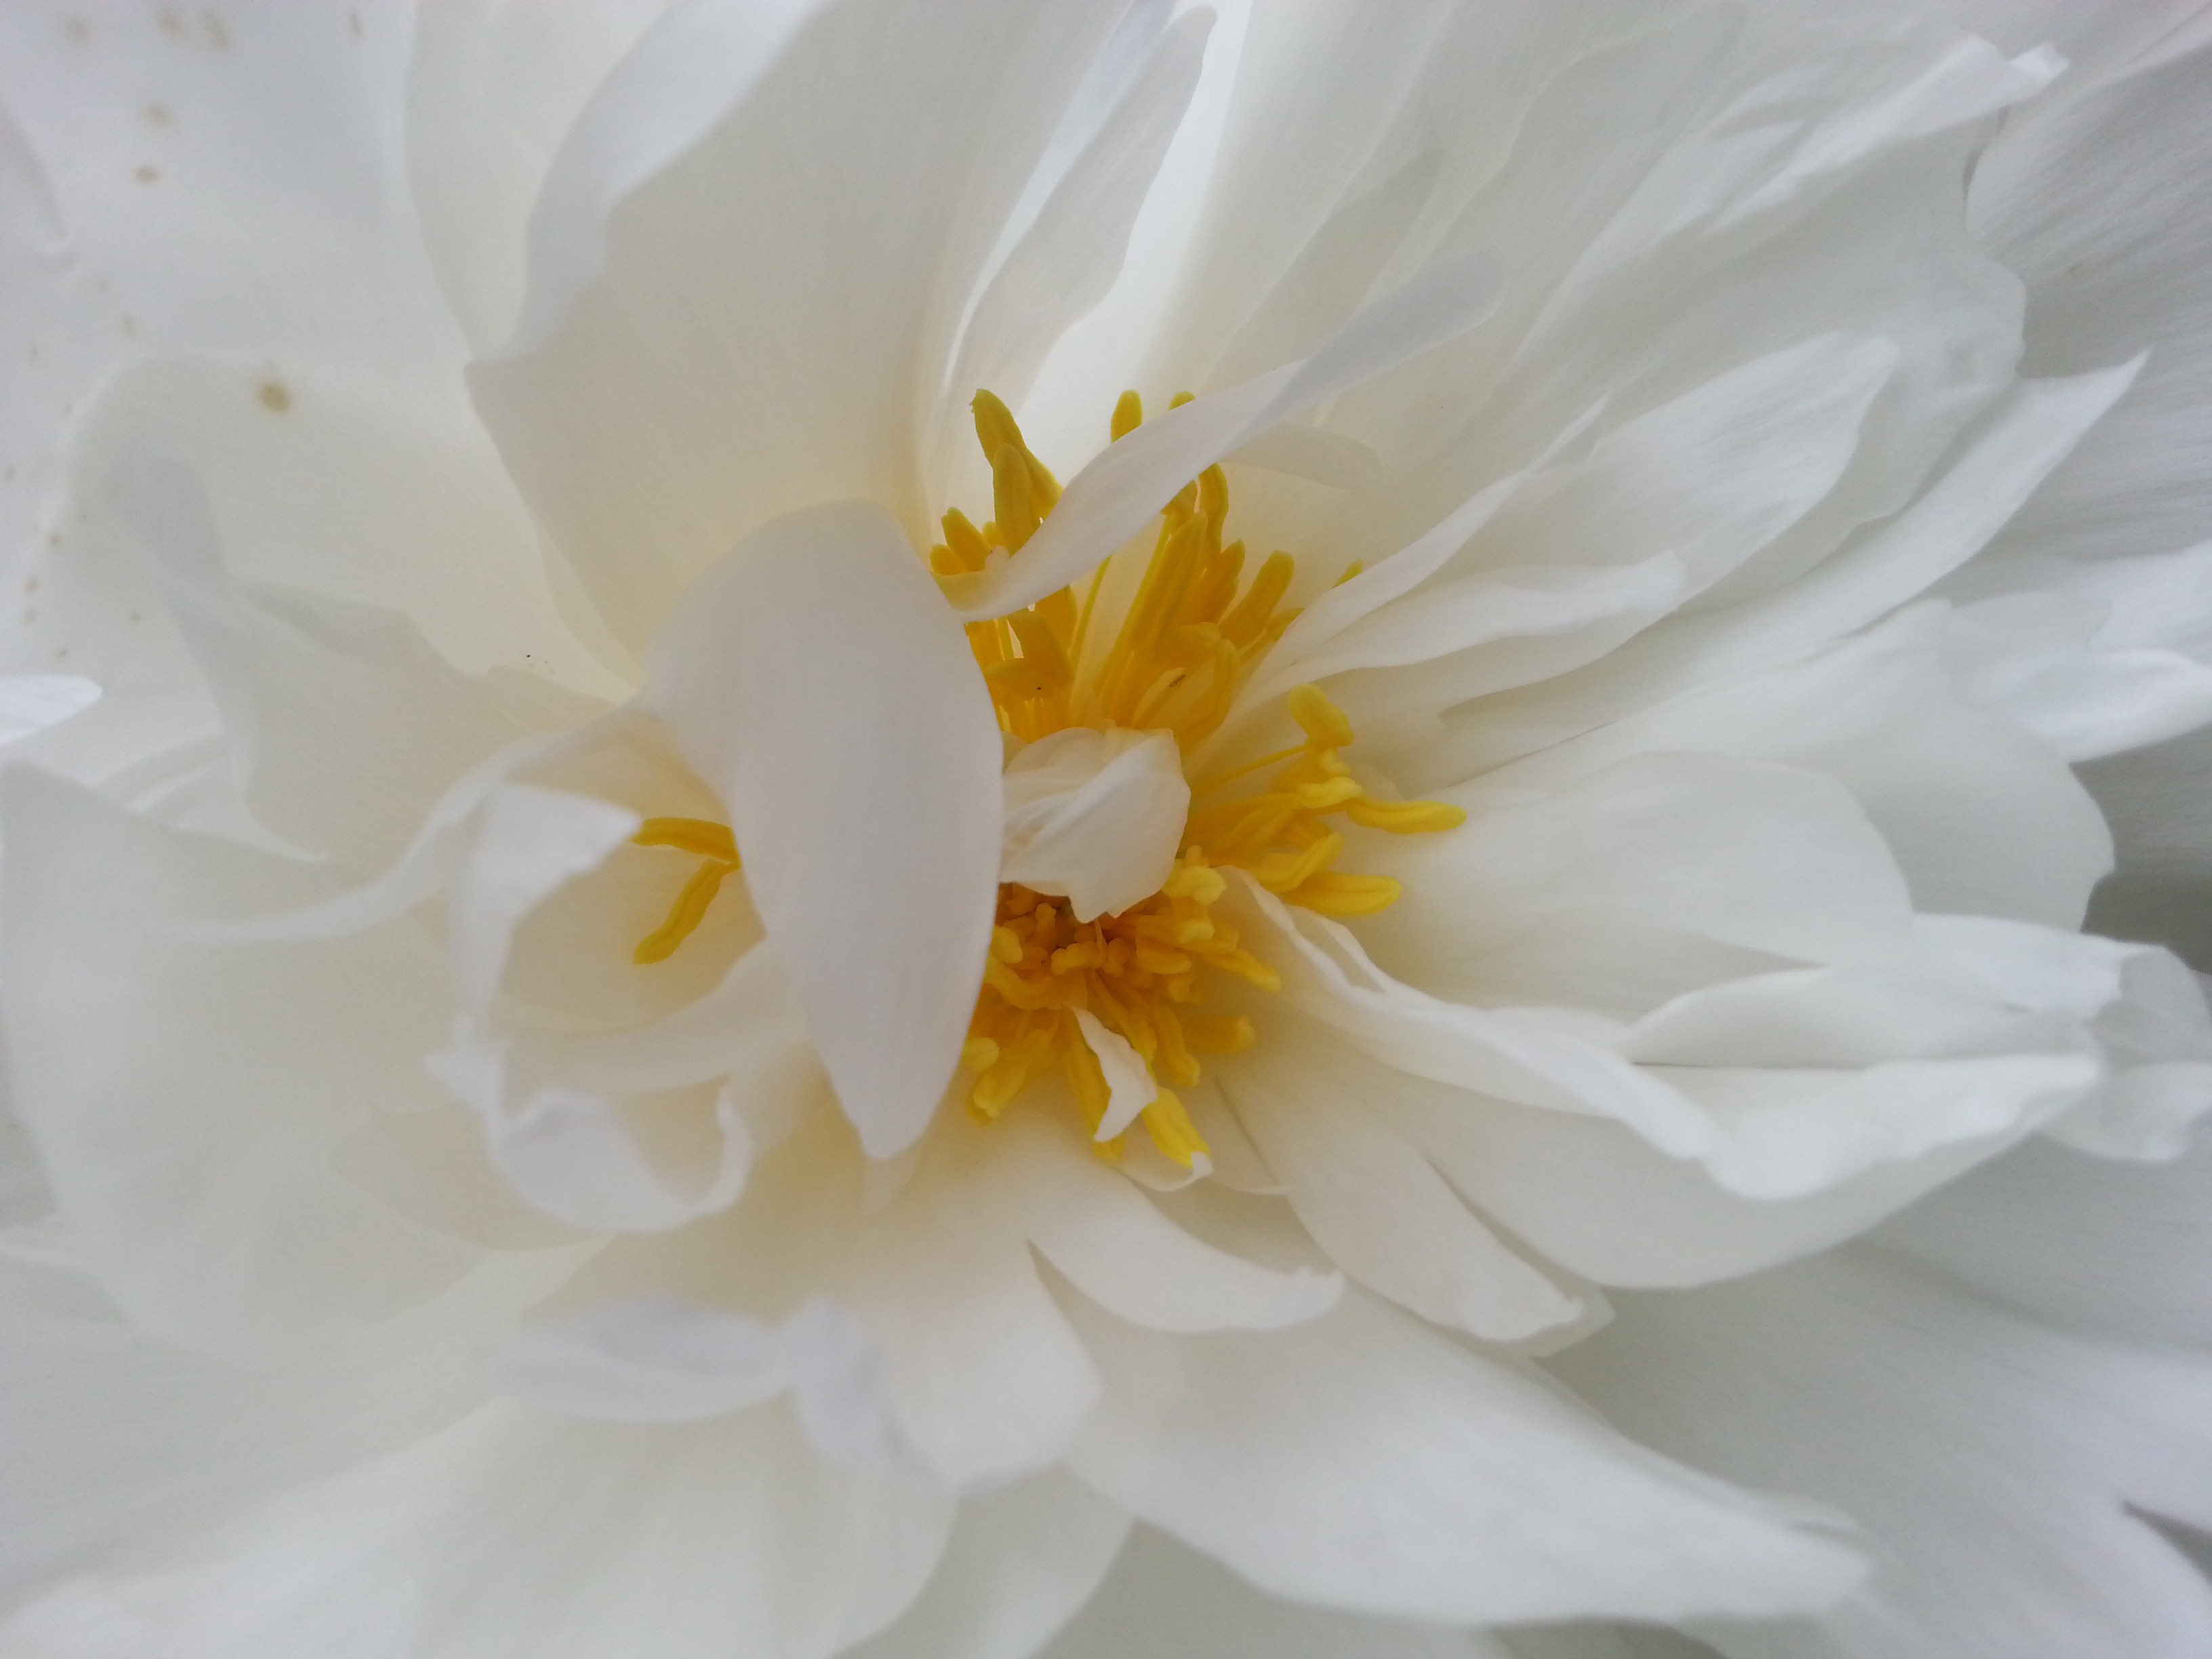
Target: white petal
1602	1202
1505	1052
116	1441
1172	1603
652	422
1095	815
529	842
1126	484
1371	1201
1118	1249
1713	475
348	724
176	165
817	683
187	1097
665	1361
987	1380
2026	436
521	1535
2110	1249
583	1158
1946	780
749	1028
1602	894
1019	1564
2092	202
1070	256
1366	1461
32	703
493	89
1988	1460
434	1167
1130	1086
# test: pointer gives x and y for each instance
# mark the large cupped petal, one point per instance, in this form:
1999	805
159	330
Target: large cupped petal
1369	1197
1366	1461
749	268
817	683
493	89
2091	198
1166	1601
1018	1565
187	1095
223	179
1993	1463
115	1441
518	1534
1115	496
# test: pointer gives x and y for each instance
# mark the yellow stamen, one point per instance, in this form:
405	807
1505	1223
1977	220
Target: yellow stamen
1405	817
1171	1130
684	916
1335	895
703	836
1128	415
1186	642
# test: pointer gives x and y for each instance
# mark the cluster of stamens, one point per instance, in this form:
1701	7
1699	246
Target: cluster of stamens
1137	972
1189	639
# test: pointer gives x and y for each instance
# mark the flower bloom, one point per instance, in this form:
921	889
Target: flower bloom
707	951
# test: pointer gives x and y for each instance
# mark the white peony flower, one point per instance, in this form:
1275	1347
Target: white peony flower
695	964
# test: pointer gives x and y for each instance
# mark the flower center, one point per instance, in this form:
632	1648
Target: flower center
1060	993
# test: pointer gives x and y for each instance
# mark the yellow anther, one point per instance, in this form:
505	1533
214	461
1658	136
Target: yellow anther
1253	613
1217	1035
1156	693
1176	1064
1195	882
1328	796
1159	959
1014	498
1405	817
996	429
1282	872
703	836
1214	494
964	541
1172	1131
684	916
1042	647
1334	895
1247	968
1320	720
1349	571
1021	680
1192	644
1061	615
1180	398
1006	945
1086	1081
979	1053
995	1090
1129	415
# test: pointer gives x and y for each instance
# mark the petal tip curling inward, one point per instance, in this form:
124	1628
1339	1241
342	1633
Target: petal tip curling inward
820	685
